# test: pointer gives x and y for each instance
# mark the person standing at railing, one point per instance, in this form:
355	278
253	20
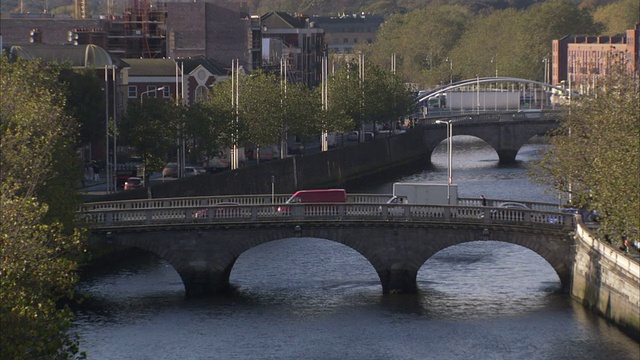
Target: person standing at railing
484	200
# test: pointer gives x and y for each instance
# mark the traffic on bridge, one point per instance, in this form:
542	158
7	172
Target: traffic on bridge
268	208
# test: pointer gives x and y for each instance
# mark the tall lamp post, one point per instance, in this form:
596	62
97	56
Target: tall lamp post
144	171
449	124
150	91
450	61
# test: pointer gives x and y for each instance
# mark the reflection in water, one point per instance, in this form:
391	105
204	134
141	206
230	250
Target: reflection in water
314	299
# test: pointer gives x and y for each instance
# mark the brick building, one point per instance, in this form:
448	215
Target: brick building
580	60
220	31
297	41
188	78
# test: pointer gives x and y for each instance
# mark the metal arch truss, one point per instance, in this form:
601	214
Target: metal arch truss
443	89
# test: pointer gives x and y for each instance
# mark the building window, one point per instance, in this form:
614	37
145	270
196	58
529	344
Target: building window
345	41
369	41
133	92
166	92
336	40
200	93
355	40
151	91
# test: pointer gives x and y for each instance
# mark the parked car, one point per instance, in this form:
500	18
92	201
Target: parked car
133	183
369	136
171	170
221	210
353	136
193	171
513	205
504	214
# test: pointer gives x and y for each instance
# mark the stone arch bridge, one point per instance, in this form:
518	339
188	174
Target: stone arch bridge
506	132
202	240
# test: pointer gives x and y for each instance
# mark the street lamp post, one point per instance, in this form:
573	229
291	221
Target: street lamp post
150	91
449	124
450	61
144	171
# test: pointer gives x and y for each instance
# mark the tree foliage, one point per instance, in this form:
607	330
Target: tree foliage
422	41
618	17
38	246
85	101
270	109
366	94
595	155
443	43
152	126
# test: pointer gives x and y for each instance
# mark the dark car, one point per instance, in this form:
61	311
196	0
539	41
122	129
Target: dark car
133	183
221	210
510	211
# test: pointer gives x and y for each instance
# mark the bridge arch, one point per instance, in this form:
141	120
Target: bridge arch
505	137
205	256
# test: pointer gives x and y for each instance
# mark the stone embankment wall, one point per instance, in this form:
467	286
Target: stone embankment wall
342	167
607	281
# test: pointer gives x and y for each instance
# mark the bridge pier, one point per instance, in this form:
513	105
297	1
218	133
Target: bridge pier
398	281
201	283
507	156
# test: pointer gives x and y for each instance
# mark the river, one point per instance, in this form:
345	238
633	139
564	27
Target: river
315	299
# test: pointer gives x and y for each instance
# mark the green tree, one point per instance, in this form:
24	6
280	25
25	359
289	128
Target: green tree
421	40
595	155
487	45
618	16
517	46
38	250
153	127
381	97
207	126
269	109
85	102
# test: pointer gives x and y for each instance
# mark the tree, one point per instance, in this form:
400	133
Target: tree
595	155
269	109
206	130
517	46
421	40
38	247
153	127
380	98
85	102
618	16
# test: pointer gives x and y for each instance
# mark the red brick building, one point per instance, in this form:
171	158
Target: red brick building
580	60
219	31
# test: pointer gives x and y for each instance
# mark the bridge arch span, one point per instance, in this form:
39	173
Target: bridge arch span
506	138
204	257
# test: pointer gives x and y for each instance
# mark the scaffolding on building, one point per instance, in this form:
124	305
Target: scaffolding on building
141	32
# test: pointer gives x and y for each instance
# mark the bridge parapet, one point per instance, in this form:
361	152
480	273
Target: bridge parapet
250	214
277	199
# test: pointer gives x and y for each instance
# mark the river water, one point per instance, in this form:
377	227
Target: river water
314	299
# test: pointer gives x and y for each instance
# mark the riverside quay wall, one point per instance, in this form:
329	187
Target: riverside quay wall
607	281
343	167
